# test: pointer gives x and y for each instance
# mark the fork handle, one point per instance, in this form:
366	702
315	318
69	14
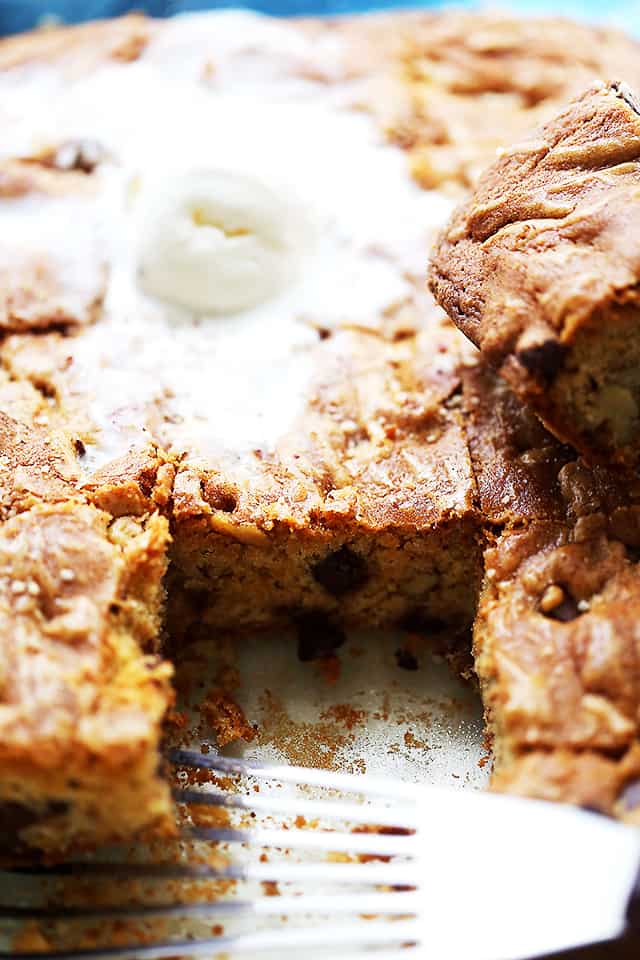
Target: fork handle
633	908
624	949
627	947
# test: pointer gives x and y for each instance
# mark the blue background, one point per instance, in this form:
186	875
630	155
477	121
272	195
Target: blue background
24	14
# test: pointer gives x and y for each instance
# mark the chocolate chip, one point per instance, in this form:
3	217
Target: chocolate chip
220	496
543	360
405	659
630	796
341	571
317	636
633	553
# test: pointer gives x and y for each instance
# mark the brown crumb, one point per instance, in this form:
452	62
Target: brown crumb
177	719
346	714
410	740
205	816
381	831
227	717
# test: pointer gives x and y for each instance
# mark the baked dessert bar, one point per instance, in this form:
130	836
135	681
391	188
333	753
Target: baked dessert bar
540	268
83	688
556	646
212	307
226	339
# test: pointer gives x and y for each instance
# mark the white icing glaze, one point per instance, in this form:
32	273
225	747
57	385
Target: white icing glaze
235	382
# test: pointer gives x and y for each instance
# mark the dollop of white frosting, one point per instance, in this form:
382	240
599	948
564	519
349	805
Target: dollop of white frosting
216	241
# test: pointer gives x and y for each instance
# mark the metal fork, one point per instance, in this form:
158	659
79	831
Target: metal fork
452	875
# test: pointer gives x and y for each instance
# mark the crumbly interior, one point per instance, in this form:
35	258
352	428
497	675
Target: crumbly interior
335	456
83	688
597	390
335	579
555	646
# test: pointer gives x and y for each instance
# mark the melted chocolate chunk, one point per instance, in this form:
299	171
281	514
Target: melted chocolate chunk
544	360
317	636
405	659
341	572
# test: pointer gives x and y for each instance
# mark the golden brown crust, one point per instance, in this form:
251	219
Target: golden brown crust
54	278
540	269
475	82
555	642
82	692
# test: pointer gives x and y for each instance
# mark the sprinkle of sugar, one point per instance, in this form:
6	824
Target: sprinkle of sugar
67	575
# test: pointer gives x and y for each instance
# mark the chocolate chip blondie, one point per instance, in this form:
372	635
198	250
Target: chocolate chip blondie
555	643
218	356
540	268
84	689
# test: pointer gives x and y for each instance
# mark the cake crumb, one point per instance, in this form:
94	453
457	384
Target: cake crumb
227	717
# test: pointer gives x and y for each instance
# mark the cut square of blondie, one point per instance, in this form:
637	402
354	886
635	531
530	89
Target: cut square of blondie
540	268
83	689
556	646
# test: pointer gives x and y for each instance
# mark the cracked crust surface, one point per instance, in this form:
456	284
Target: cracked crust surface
473	83
540	269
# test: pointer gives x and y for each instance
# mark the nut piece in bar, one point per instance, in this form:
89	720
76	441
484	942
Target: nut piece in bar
540	269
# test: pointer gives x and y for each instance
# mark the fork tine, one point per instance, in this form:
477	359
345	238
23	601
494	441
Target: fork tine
370	785
373	874
404	953
326	809
371	844
132	871
353	935
393	903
